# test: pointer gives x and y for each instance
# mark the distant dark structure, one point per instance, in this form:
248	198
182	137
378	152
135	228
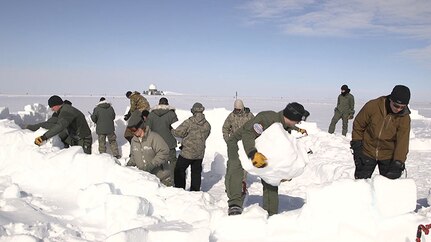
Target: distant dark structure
152	90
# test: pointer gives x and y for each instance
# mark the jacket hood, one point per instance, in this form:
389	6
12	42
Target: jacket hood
162	109
104	104
198	118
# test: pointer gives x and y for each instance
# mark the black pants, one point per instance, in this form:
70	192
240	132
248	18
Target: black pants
180	173
365	167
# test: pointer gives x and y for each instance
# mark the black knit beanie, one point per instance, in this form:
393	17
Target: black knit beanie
400	94
295	112
54	101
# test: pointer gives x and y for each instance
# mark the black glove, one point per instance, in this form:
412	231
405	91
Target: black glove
127	116
356	147
396	169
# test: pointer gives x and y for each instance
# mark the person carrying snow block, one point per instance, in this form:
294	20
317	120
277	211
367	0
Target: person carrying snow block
71	119
148	151
380	135
248	133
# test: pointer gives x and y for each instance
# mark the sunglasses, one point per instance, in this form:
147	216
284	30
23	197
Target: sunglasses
398	106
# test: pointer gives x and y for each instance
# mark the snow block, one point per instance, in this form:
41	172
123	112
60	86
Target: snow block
122	209
138	234
394	197
287	156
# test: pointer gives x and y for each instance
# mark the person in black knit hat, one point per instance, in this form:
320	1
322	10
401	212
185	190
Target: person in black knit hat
345	110
291	115
380	135
71	119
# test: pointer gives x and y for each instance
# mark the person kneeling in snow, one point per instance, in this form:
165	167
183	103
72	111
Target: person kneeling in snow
71	119
252	129
148	151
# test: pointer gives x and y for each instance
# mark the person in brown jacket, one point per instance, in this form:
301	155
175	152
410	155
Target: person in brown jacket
380	135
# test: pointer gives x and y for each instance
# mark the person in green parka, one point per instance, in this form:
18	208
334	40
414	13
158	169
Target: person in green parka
104	115
73	120
248	133
160	120
345	110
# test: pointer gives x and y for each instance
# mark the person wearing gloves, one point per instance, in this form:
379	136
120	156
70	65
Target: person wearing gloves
345	110
380	135
248	133
137	102
63	135
148	151
194	131
104	115
71	119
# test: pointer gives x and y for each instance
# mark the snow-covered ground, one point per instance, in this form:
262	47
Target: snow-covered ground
53	194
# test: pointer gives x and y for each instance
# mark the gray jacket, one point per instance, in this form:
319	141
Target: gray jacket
149	153
104	116
160	120
194	131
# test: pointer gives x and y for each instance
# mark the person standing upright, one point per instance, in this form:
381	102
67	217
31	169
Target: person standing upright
69	118
160	120
104	115
236	119
137	102
194	131
380	135
345	110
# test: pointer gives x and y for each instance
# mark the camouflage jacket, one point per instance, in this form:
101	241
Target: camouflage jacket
138	102
234	121
194	131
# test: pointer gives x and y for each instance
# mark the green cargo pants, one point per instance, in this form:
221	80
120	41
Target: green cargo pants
233	182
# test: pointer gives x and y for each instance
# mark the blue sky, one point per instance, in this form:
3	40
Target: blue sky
298	49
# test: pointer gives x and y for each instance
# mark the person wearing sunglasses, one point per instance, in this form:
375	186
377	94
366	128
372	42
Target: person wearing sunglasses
148	151
293	114
380	135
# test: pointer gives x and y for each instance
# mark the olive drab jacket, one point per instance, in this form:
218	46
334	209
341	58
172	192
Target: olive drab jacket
384	135
149	153
254	128
160	120
234	121
73	120
138	102
346	104
194	131
104	116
